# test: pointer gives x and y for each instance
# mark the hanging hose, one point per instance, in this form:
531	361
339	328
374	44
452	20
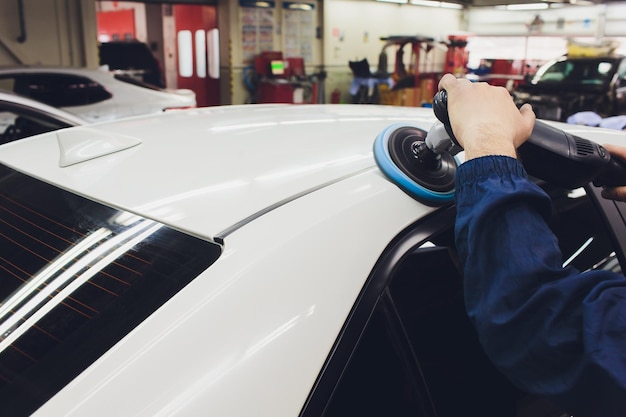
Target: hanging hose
20	12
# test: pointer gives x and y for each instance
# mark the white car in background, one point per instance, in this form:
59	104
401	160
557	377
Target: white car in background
94	94
261	264
21	117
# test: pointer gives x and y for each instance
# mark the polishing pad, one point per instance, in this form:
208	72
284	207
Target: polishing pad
394	152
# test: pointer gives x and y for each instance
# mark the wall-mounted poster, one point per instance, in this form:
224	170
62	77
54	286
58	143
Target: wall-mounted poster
299	30
257	28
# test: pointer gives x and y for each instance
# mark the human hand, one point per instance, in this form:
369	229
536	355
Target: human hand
484	118
615	193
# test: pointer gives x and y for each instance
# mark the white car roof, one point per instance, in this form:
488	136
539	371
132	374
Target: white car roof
206	170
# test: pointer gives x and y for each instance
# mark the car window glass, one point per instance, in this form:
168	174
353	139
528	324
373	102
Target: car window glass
556	72
7	83
577	71
15	124
60	90
377	382
76	277
583	236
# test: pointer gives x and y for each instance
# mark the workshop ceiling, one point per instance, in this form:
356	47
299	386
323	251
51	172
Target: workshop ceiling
492	3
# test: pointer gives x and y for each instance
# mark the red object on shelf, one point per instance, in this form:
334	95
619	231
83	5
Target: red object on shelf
456	56
283	80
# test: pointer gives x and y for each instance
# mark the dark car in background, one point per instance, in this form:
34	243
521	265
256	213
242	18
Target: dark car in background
569	85
134	59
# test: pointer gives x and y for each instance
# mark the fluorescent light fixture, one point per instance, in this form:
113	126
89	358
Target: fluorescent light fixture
431	3
257	3
447	5
581	2
300	6
527	6
427	3
394	1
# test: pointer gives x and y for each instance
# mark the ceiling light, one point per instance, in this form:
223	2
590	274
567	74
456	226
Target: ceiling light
427	3
431	3
298	6
527	6
447	5
394	1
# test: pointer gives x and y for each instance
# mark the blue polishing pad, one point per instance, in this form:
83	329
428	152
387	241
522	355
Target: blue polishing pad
421	192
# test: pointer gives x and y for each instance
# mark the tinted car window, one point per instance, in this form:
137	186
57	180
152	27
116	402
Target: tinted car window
18	122
378	382
577	71
76	277
58	90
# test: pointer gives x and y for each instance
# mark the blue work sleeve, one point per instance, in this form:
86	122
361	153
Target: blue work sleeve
552	331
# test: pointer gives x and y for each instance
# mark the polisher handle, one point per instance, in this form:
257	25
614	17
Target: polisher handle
554	155
440	107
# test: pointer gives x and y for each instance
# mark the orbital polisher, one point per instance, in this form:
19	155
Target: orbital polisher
423	163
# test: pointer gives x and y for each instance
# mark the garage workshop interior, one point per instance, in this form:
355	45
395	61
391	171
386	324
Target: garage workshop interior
246	208
565	57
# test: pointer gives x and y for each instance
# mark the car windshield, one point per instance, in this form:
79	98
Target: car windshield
76	277
595	71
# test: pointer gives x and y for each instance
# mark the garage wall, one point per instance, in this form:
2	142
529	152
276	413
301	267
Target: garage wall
57	32
352	31
565	21
63	32
511	35
248	30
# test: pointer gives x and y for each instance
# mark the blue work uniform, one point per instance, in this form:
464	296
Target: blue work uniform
552	331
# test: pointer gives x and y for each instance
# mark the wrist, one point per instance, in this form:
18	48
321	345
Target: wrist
490	149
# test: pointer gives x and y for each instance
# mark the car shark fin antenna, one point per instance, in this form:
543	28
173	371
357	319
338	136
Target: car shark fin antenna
81	144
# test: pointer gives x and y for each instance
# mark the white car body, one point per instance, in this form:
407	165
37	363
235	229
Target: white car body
302	212
127	99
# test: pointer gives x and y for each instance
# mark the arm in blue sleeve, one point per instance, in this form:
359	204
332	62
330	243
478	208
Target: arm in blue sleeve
552	331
